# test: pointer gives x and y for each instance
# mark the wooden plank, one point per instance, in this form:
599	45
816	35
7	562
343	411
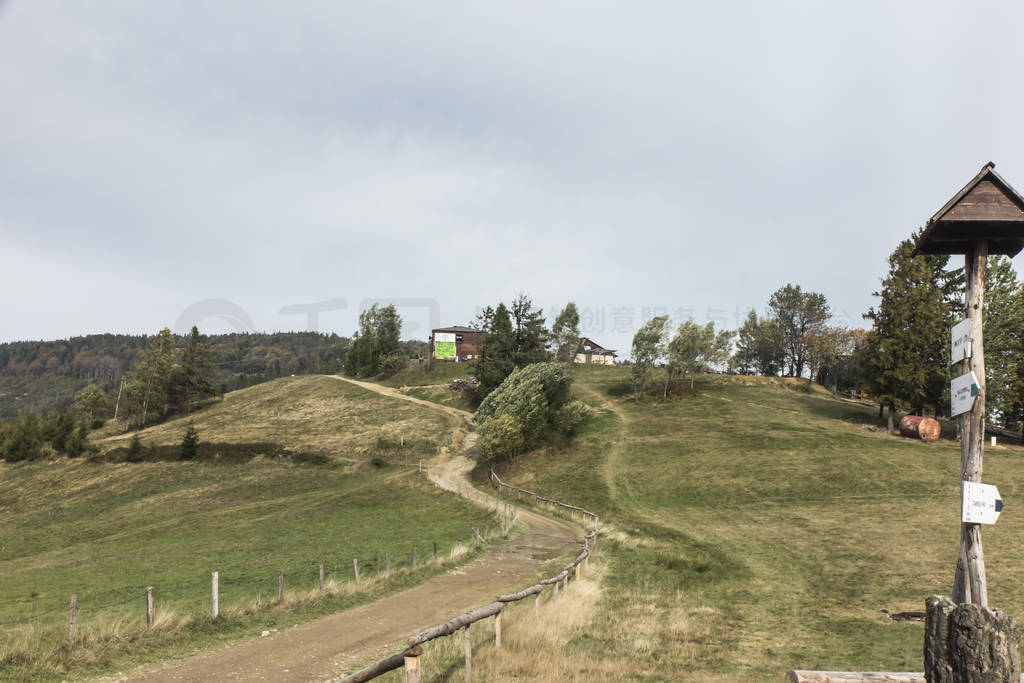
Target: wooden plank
985	202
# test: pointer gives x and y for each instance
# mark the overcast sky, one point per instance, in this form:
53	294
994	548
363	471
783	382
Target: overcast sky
231	163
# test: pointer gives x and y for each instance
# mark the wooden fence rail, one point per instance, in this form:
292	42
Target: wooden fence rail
540	499
410	656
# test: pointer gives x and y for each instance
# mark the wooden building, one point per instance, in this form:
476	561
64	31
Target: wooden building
456	343
590	351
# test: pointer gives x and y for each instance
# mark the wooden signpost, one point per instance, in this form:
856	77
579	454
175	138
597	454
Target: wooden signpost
985	217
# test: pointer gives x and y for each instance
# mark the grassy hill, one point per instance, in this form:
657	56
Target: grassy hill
757	527
106	530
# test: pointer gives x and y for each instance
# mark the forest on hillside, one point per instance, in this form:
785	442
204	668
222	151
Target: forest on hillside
44	376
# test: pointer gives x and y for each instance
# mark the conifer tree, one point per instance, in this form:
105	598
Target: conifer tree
1004	320
497	360
530	335
906	352
190	442
194	377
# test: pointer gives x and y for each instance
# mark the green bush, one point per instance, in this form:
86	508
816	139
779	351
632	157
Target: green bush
135	453
532	406
190	442
572	416
392	364
500	437
23	440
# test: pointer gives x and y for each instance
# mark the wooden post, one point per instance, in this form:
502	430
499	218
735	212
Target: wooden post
387	565
969	585
468	646
414	558
215	591
149	607
435	550
355	569
321	582
497	631
536	602
577	572
280	585
554	592
73	619
413	672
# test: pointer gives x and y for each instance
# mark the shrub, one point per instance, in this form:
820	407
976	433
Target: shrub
572	416
190	442
391	364
135	450
529	407
500	437
23	439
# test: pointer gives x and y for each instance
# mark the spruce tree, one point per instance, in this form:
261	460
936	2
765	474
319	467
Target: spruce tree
497	359
190	442
906	350
194	377
530	335
1004	319
135	450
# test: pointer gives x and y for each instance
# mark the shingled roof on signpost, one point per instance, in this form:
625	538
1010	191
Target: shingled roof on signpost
987	208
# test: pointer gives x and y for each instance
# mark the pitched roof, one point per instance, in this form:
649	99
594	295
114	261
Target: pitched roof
456	328
987	208
590	346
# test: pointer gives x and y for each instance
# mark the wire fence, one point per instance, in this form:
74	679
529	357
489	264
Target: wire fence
240	586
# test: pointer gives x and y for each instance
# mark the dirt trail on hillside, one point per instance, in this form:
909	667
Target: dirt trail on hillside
341	643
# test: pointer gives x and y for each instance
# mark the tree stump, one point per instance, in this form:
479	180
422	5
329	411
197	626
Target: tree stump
969	643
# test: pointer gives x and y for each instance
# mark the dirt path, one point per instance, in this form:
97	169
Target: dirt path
323	649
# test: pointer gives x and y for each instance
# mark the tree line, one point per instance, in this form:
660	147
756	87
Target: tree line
44	376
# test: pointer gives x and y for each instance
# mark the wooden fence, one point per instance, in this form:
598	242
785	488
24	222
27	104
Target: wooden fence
409	658
540	499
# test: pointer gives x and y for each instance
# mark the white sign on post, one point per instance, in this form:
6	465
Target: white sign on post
962	391
960	341
982	504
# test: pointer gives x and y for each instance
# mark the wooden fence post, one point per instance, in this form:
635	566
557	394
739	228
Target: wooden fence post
149	607
497	631
468	646
577	572
413	672
414	558
435	550
215	591
536	602
321	581
554	592
280	585
355	569
387	565
73	619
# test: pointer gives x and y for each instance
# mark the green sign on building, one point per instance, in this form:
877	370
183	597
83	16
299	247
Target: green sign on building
444	345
